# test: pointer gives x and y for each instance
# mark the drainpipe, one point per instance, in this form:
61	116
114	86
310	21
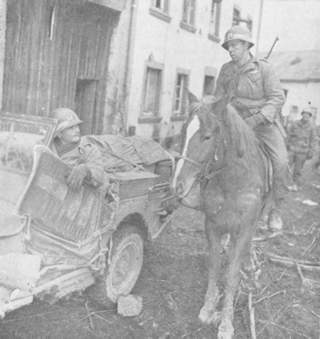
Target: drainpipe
259	25
127	72
3	25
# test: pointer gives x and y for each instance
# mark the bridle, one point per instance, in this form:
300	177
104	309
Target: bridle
206	172
193	162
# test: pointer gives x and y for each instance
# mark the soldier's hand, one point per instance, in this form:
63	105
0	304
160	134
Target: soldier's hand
77	176
255	120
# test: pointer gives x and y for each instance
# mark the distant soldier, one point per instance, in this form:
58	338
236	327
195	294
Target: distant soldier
253	88
82	156
316	165
302	144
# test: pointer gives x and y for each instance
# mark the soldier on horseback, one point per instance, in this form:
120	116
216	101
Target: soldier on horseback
253	88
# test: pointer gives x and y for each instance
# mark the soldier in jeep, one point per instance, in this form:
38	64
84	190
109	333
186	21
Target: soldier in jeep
82	156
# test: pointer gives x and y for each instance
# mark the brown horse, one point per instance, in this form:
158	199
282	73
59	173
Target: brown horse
222	171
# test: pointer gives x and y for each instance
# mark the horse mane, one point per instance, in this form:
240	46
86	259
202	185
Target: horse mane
241	135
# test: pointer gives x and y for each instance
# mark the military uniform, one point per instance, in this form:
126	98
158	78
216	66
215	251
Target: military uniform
255	91
84	153
302	145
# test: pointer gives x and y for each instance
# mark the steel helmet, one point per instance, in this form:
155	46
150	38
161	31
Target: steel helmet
66	118
237	33
307	110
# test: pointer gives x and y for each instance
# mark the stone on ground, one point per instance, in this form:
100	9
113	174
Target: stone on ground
129	305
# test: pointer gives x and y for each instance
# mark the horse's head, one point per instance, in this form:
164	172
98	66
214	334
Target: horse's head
202	136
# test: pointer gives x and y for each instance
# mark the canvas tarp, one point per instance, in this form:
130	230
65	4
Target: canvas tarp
123	153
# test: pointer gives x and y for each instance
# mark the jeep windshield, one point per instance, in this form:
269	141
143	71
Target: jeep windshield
18	135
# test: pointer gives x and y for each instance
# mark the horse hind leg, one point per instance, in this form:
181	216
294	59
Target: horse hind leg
208	312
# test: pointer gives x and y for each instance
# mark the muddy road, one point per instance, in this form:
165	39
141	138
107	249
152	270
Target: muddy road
173	283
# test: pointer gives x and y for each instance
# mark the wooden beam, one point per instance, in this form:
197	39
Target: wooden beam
117	5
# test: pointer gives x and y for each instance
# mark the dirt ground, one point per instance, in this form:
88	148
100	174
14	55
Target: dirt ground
173	283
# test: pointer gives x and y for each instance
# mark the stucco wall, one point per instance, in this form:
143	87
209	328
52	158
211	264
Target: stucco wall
3	14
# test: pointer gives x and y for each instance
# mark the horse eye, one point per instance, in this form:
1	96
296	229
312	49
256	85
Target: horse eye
206	137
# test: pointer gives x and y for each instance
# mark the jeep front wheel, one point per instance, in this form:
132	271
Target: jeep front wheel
125	262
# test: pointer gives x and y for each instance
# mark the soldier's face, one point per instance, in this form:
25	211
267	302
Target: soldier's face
70	135
238	50
306	117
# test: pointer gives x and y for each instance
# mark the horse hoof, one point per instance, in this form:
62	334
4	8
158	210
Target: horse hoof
209	317
205	315
226	331
275	221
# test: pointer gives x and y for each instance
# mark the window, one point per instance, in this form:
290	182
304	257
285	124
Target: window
237	20
161	5
208	85
160	9
189	12
236	16
214	18
180	94
151	100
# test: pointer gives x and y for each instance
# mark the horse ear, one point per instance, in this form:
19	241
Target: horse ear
194	104
192	98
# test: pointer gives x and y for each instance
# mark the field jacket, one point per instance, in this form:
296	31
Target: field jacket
88	154
253	88
302	137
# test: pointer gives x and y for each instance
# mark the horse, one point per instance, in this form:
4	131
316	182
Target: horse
223	172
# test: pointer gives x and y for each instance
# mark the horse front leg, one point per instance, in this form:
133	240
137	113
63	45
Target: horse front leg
238	252
208	312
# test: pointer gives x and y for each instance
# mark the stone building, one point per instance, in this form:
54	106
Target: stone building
170	46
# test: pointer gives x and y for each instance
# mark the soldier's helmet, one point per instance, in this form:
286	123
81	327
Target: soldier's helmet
237	33
66	118
307	110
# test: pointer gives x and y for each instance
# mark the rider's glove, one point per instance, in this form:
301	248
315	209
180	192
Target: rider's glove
77	176
254	120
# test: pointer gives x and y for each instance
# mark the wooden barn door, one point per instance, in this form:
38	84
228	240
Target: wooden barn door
86	104
57	54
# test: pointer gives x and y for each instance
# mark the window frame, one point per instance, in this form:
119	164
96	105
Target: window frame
236	19
180	114
160	13
210	71
163	9
185	23
154	115
214	21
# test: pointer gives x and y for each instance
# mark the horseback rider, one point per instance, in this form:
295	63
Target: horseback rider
252	87
82	156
